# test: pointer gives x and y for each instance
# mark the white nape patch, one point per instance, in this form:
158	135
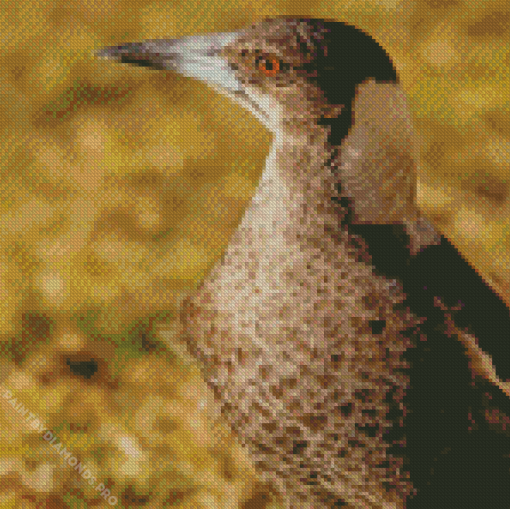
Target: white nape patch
198	57
353	152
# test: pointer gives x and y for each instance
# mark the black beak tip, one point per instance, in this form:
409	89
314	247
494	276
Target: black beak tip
106	53
131	53
110	52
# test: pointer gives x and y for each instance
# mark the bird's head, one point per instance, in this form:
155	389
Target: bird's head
291	73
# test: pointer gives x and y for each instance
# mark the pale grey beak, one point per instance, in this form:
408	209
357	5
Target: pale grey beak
194	56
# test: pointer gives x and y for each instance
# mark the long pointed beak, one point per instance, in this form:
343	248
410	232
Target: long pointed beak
197	57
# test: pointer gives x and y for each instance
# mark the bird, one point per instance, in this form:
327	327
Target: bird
388	195
301	326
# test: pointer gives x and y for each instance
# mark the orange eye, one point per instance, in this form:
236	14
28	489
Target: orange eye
270	65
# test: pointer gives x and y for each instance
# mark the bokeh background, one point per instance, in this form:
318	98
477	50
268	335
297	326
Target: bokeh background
120	187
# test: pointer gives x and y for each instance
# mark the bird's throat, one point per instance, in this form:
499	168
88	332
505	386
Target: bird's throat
294	195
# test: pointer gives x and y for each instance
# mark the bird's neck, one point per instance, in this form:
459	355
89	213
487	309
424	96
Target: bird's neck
293	197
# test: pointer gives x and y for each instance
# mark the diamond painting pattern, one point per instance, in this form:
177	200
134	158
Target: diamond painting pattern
158	350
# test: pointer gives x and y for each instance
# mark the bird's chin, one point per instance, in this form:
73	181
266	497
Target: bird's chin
244	100
250	104
247	102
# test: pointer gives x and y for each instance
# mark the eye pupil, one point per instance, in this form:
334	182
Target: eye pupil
269	65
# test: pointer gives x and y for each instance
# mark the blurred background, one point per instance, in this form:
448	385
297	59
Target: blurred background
120	187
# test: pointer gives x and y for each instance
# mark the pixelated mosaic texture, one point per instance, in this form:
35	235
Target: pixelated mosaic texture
120	189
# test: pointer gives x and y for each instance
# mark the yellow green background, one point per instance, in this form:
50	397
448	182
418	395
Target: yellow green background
120	186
